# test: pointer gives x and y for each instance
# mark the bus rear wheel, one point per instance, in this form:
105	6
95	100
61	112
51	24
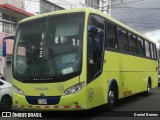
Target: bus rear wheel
147	92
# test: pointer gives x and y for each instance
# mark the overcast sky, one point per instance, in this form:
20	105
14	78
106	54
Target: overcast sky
142	15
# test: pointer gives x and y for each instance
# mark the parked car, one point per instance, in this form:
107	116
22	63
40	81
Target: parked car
5	95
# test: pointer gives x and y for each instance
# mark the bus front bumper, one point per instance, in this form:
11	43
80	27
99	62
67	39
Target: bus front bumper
68	102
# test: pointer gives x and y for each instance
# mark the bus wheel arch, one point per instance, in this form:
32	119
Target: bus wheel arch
113	93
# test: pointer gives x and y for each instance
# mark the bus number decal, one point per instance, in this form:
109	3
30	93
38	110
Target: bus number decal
60	87
90	94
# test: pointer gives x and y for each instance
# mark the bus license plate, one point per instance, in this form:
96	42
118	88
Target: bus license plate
42	101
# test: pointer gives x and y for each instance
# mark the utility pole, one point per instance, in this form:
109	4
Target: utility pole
102	6
109	7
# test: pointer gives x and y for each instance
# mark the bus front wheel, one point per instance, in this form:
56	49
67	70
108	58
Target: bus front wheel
111	98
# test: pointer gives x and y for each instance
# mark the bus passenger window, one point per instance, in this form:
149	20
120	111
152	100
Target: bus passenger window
140	45
151	48
154	51
111	36
132	43
147	49
123	40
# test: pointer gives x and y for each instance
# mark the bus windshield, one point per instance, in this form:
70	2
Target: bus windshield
49	49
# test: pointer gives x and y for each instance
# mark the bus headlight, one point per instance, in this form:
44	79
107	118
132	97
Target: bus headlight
17	90
74	89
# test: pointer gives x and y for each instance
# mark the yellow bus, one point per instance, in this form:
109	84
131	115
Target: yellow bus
79	59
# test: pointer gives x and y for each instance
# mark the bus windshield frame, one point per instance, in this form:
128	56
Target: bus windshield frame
49	49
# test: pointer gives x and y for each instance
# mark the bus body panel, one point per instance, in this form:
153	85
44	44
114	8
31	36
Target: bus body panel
130	72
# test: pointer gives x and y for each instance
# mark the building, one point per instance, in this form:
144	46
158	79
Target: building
16	3
9	17
42	6
46	6
93	3
11	12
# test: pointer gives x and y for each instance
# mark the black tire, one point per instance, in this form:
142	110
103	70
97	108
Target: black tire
6	103
111	98
147	92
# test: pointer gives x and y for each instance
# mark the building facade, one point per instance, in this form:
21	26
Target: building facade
11	12
43	6
16	3
46	6
9	18
93	3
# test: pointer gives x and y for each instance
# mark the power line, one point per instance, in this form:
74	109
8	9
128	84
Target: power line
150	19
28	4
136	8
131	11
146	2
127	2
143	21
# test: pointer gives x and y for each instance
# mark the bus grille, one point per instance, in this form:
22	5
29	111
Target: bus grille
51	100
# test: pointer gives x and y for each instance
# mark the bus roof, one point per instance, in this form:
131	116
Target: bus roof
87	10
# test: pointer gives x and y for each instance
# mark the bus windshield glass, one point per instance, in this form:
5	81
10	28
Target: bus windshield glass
49	49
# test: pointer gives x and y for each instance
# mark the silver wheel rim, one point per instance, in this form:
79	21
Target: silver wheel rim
148	88
111	97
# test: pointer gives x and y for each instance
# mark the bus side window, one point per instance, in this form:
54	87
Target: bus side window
122	40
132	43
155	48
140	45
151	49
155	51
147	49
111	36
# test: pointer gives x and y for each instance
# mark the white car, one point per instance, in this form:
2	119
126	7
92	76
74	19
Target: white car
5	96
